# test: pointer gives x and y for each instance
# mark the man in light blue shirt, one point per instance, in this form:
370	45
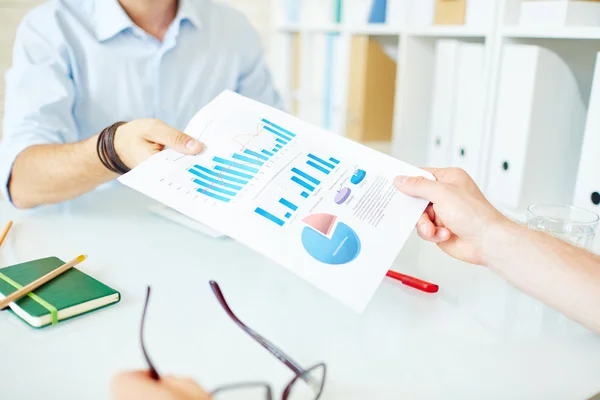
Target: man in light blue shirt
80	66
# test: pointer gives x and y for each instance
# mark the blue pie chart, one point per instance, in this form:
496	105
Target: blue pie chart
339	247
358	177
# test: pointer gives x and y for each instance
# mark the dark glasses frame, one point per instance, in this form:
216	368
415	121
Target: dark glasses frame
299	372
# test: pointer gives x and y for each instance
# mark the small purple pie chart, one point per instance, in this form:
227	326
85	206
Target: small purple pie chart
342	195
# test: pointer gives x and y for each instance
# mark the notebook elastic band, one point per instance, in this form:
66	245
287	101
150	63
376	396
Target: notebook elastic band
34	297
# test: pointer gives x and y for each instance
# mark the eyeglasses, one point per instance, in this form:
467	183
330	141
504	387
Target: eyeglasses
307	384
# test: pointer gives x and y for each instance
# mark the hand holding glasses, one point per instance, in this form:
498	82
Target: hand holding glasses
306	385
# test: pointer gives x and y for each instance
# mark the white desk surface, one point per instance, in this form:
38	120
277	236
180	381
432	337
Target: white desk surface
478	338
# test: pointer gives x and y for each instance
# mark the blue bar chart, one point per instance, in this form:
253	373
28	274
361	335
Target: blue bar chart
306	177
288	204
307	182
321	165
229	174
269	216
305	185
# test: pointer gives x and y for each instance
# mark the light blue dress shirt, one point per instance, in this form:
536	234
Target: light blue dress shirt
81	65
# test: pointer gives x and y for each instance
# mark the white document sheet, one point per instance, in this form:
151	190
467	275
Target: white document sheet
169	214
320	205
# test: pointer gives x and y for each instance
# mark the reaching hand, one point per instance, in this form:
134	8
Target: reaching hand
459	217
138	140
139	386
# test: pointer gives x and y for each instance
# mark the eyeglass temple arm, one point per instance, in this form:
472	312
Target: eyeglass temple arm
153	372
281	356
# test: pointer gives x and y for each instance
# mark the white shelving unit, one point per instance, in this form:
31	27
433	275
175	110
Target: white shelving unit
448	31
415	51
583	33
576	46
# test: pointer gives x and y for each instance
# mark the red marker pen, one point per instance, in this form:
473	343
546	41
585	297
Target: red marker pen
413	282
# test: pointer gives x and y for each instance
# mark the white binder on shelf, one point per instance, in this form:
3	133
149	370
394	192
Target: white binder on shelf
312	97
338	70
356	12
467	127
587	189
538	127
396	12
443	102
291	10
480	13
559	13
420	13
317	11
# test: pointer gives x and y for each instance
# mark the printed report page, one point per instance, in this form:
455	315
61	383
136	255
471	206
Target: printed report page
320	205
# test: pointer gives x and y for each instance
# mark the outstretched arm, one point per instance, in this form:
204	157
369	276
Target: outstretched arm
563	276
52	173
466	226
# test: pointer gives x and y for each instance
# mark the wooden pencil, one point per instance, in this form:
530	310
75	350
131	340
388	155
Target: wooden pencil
40	282
5	232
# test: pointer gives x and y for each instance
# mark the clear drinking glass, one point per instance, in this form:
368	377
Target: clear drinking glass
571	224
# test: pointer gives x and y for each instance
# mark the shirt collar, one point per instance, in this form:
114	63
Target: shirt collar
188	11
111	19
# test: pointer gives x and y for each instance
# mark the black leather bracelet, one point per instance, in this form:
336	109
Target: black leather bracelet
105	148
113	157
100	149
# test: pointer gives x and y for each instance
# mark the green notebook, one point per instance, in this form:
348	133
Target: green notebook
69	295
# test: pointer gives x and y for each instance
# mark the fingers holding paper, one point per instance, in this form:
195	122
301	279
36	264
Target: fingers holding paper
459	217
138	140
431	229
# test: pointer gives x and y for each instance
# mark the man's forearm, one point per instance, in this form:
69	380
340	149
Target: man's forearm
563	276
57	172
